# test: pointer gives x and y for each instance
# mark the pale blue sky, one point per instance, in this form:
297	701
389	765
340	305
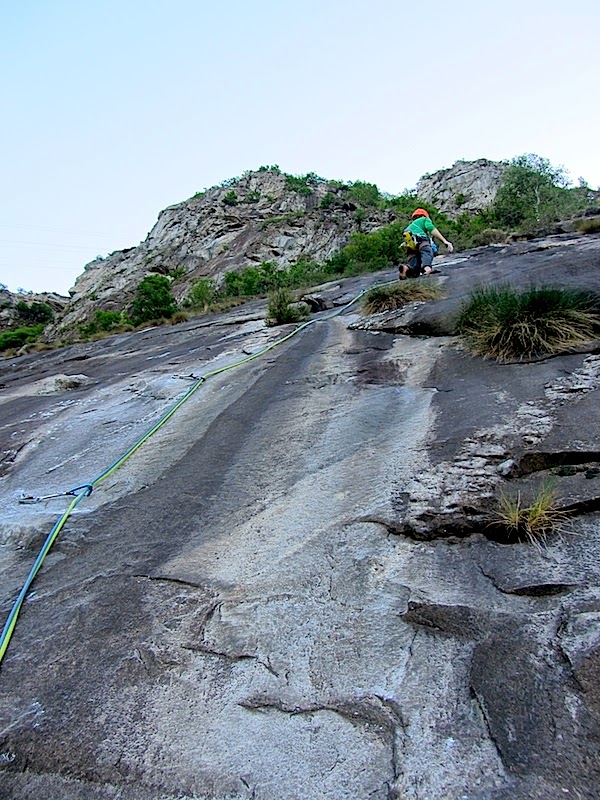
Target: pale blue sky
114	110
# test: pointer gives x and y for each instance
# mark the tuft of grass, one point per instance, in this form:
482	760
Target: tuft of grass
39	347
389	298
590	225
179	316
282	309
505	323
533	522
489	236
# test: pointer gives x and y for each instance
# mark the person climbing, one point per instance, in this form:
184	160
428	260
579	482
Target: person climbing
420	245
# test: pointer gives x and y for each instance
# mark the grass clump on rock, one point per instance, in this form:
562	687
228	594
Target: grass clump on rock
179	317
389	298
591	225
282	309
533	522
489	236
507	324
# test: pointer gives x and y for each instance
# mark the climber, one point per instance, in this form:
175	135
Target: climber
420	246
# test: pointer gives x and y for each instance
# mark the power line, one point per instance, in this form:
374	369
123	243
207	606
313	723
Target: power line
56	230
69	249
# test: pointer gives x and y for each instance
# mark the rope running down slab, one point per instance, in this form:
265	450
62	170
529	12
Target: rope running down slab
83	491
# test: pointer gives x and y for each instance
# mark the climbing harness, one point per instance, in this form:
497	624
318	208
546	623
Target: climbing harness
80	492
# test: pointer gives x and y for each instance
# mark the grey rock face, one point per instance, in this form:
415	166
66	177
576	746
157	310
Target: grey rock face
291	590
9	315
466	186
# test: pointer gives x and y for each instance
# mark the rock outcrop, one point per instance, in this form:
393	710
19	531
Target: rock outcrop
262	216
292	589
466	186
10	317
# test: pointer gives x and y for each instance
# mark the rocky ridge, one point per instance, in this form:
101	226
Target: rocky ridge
250	220
466	186
9	313
262	216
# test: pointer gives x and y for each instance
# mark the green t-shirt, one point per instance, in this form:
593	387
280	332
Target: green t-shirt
421	226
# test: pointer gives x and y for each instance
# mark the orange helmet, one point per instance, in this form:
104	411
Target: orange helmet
420	212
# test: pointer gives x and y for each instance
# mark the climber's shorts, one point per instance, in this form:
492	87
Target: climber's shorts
421	259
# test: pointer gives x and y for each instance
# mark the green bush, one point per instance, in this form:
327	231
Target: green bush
20	336
303	184
271	277
376	250
34	312
282	218
365	194
153	299
177	273
327	200
255	280
405	204
467	230
104	322
505	323
259	281
203	293
280	310
230	198
338	264
233	284
307	273
107	320
534	193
